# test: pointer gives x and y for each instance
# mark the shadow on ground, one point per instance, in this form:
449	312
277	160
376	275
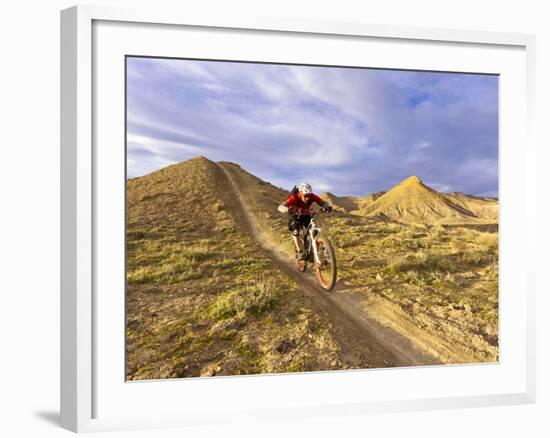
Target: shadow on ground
51	417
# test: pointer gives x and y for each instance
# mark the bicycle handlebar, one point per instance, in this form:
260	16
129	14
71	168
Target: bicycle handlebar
300	212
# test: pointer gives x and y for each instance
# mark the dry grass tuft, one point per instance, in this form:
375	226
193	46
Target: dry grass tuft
253	299
488	240
418	262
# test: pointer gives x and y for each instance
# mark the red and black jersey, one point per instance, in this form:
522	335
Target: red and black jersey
295	202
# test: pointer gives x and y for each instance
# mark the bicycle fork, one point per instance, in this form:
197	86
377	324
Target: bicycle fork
313	243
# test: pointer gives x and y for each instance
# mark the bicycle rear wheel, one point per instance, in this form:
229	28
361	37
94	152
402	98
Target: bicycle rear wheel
325	269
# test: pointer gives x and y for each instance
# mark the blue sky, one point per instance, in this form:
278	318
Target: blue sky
348	131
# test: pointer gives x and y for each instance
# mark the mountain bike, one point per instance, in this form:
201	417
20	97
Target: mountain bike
318	251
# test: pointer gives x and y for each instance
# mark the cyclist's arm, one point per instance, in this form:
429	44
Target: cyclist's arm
320	202
289	203
316	199
282	208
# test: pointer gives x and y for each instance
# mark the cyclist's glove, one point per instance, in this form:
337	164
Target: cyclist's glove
327	208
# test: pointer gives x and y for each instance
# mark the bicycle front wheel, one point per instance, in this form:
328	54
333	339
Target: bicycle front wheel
325	267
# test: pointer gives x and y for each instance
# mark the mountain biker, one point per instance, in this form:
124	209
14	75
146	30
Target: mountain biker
297	205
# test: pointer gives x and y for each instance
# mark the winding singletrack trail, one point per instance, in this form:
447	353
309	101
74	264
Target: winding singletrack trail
365	342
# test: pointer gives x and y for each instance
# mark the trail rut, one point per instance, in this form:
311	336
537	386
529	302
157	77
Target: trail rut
364	342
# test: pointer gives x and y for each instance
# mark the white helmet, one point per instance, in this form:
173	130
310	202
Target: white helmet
304	188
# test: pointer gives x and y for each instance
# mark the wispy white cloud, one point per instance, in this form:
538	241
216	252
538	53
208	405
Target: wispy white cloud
353	130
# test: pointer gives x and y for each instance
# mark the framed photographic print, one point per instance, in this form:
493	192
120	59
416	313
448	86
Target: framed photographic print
252	209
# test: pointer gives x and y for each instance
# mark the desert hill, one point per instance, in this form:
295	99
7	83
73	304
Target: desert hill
195	189
199	188
482	207
350	204
202	299
413	201
345	204
365	201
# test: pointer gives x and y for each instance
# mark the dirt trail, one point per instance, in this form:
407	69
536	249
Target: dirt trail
365	342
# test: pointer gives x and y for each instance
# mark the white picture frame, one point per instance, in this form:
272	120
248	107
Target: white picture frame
82	173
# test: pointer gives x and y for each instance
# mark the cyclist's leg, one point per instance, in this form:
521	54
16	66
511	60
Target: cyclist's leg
294	228
304	223
297	243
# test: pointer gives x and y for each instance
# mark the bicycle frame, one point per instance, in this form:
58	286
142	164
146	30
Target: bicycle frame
313	230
